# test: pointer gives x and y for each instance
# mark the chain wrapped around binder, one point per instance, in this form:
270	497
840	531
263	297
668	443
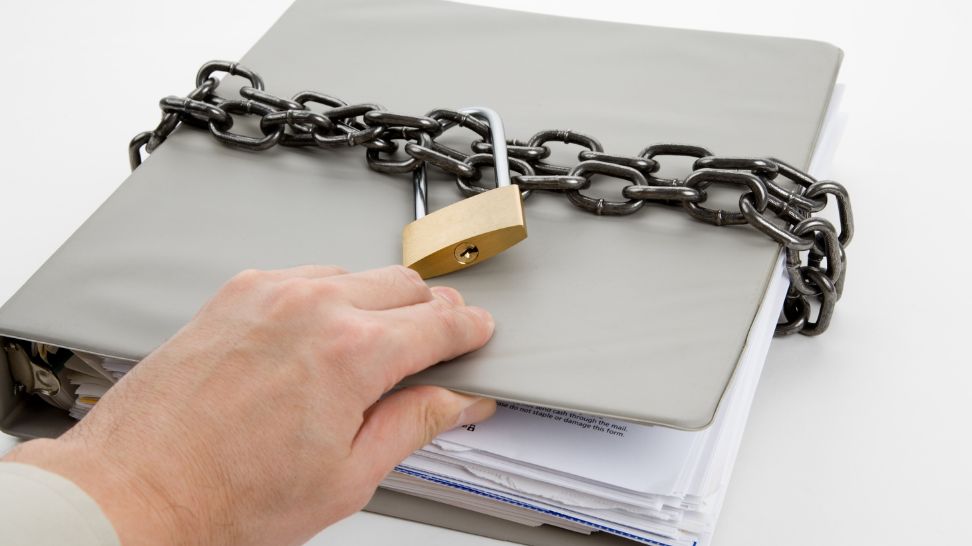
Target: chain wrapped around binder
780	200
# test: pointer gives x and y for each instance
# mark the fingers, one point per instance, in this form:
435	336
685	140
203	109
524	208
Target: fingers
408	419
435	331
375	289
307	272
384	288
404	325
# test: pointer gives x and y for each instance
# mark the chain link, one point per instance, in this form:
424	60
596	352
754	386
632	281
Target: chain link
778	199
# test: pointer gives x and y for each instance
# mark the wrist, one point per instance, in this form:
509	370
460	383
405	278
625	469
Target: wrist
138	507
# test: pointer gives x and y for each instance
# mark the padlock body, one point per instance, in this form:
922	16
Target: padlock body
465	233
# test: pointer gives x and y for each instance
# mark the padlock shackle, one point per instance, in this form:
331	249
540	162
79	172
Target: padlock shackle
497	136
420	190
501	163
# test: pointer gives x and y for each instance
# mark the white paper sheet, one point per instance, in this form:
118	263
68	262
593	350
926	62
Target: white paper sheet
637	457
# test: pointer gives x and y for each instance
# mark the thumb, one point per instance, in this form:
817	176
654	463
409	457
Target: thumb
407	419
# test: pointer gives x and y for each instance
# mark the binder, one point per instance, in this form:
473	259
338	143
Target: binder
641	318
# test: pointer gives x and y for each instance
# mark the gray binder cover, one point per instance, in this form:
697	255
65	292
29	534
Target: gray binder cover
640	317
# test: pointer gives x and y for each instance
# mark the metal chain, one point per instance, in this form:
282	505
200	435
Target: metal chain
779	200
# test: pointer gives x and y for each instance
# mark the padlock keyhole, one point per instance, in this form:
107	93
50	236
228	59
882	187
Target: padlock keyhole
466	253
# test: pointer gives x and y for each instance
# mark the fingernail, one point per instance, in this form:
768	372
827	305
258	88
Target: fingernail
479	409
451	295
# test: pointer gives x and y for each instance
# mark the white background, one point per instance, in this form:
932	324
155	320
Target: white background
861	436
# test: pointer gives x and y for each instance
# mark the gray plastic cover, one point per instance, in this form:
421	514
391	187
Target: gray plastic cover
640	317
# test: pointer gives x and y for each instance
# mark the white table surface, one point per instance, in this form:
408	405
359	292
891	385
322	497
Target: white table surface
861	436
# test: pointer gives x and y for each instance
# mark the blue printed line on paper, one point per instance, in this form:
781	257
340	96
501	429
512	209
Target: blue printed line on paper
521	504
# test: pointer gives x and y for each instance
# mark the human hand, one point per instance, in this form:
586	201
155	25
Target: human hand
260	421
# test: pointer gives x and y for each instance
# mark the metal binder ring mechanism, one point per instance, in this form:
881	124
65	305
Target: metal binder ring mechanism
470	231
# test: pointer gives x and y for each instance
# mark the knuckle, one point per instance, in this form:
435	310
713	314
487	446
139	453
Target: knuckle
323	290
359	326
291	297
409	276
335	270
247	279
449	319
353	334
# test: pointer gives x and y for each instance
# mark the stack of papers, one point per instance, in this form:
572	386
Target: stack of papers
92	376
650	484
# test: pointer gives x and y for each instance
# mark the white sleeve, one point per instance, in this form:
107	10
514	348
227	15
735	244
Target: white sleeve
40	508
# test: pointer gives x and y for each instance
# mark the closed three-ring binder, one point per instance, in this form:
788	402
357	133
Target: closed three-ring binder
641	318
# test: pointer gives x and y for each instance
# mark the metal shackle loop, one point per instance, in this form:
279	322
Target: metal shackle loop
497	136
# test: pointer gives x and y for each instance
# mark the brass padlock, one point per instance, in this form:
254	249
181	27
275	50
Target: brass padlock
470	231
